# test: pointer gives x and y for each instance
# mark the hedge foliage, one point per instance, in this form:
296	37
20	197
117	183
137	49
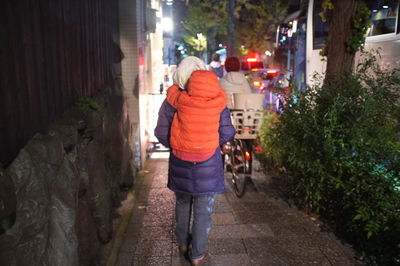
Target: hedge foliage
339	143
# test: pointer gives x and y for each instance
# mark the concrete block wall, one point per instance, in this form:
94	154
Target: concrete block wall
129	21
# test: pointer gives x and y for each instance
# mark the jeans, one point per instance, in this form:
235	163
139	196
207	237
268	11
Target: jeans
202	209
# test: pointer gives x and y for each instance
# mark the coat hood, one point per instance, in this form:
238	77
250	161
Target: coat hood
236	78
204	84
203	90
234	82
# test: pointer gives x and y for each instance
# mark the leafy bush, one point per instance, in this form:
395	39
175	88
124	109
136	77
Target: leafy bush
340	144
84	103
271	152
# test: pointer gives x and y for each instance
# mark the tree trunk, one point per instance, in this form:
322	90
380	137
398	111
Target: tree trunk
340	29
231	51
211	44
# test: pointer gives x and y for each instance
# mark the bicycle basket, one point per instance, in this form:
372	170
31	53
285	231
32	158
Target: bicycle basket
246	123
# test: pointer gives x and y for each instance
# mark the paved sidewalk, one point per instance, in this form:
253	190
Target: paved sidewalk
254	230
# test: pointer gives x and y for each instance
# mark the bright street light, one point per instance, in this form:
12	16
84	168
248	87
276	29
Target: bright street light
166	24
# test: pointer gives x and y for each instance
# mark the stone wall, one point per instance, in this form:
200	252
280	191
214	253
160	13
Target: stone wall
59	195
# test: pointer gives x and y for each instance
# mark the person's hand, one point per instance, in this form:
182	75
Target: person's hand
226	148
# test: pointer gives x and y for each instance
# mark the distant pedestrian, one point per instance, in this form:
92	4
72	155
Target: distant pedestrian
216	67
194	122
234	81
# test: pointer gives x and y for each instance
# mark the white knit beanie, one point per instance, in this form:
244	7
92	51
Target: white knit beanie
185	69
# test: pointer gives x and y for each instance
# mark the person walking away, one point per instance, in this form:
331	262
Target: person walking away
216	67
234	81
194	122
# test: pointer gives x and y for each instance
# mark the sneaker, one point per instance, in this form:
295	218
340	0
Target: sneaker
201	261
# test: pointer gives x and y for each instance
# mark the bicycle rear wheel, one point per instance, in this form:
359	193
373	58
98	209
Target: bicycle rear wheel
240	167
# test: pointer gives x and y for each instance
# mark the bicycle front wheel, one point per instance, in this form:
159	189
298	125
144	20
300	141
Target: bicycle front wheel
240	167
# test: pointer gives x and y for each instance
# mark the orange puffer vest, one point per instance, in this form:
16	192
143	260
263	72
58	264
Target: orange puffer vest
196	122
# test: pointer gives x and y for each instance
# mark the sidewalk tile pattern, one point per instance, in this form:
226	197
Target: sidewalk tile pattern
254	230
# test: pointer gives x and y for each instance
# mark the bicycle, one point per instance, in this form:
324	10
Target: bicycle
247	122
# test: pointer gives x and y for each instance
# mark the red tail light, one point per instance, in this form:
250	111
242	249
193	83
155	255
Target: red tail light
257	83
272	73
247	156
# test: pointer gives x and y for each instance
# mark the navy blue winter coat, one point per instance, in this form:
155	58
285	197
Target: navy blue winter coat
194	178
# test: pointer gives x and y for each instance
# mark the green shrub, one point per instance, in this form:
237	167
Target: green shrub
84	103
271	153
340	144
